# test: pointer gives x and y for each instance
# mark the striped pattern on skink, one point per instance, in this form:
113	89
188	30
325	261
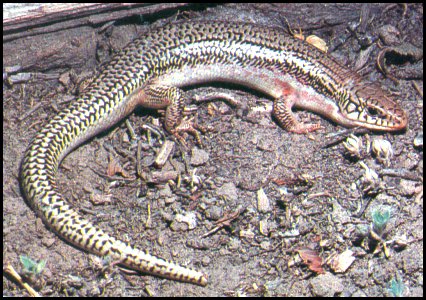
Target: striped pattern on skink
161	61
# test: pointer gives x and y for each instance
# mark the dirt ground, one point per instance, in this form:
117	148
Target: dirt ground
316	197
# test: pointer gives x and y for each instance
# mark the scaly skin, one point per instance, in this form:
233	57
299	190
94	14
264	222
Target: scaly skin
149	72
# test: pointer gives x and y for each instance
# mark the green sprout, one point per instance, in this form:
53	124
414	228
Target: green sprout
31	266
396	287
381	216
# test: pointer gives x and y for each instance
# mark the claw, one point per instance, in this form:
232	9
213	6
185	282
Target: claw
304	128
191	127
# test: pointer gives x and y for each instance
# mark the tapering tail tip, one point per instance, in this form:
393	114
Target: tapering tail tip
203	280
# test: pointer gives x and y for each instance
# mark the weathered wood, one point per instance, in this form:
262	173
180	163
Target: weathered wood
21	20
41	37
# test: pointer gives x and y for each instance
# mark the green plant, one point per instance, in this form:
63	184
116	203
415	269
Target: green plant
381	216
31	266
396	287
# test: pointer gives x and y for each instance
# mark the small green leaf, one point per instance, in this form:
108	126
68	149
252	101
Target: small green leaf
381	216
31	266
396	287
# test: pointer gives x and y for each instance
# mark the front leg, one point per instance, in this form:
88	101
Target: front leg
173	99
285	116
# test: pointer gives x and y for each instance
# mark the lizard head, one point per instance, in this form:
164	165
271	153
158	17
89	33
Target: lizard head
367	105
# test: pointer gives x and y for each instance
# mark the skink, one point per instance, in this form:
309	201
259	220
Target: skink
150	72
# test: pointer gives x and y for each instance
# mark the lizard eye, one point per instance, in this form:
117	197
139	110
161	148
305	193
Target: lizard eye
372	111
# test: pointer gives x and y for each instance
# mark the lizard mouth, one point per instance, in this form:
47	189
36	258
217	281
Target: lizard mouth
394	121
